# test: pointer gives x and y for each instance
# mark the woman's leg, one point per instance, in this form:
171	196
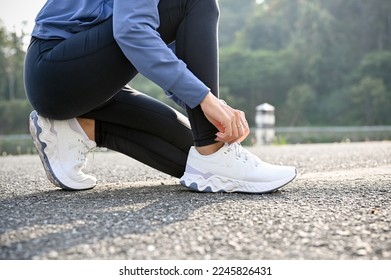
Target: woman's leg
145	129
67	78
192	24
72	78
231	168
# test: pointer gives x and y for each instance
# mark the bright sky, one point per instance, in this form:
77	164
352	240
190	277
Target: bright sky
14	12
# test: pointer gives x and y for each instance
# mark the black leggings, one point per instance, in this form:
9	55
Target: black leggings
86	75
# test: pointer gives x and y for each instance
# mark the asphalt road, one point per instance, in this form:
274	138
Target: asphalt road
338	207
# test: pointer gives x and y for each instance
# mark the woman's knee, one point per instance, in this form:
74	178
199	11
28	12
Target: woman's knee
210	7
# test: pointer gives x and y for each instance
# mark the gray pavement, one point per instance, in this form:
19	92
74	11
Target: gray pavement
339	207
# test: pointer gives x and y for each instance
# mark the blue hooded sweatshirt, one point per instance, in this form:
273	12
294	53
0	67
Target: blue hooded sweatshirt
135	24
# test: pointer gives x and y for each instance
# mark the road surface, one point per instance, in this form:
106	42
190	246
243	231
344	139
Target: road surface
338	207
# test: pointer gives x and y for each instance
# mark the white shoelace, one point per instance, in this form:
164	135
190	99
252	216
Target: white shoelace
240	153
86	147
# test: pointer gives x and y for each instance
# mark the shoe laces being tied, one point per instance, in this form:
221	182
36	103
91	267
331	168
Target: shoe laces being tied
243	154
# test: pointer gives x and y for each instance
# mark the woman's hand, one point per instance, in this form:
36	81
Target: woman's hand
231	123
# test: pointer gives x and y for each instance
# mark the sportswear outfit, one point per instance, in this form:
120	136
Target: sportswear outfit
80	59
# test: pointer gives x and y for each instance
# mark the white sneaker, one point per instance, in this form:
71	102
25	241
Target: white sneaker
63	152
234	169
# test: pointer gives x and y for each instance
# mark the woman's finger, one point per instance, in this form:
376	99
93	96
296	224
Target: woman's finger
231	124
245	130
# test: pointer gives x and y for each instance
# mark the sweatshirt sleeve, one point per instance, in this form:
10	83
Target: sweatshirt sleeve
135	26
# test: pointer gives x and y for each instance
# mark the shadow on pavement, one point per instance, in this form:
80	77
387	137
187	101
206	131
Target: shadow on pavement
36	224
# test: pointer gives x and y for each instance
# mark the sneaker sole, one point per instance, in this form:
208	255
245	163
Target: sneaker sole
216	184
35	131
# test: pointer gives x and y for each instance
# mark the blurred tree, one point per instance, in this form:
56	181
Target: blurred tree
269	25
299	99
376	64
370	95
11	65
329	45
14	116
372	87
3	63
233	17
254	77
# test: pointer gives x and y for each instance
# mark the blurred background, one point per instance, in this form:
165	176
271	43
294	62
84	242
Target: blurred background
324	65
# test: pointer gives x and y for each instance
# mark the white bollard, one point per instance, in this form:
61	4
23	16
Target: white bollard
265	123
